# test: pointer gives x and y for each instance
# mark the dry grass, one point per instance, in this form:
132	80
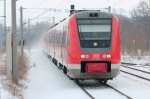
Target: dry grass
16	89
2	50
23	67
12	88
2	71
2	67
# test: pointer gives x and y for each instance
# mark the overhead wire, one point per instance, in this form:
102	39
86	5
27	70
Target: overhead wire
38	16
61	8
48	9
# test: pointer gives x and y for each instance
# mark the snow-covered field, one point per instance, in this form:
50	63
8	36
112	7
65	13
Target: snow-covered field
4	94
144	60
46	81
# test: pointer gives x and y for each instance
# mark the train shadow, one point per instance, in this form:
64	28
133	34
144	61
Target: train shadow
92	84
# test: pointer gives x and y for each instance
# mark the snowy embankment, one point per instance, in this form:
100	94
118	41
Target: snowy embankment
142	64
142	61
132	86
46	81
4	94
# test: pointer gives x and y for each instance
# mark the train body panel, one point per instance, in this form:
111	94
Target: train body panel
86	45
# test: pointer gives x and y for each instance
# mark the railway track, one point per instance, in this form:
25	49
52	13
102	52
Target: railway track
85	91
136	69
128	63
124	63
107	86
128	97
135	72
135	75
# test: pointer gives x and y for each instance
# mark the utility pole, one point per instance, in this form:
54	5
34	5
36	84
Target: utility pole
14	42
109	9
53	21
29	34
5	31
21	29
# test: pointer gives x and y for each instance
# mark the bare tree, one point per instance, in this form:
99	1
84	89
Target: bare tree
141	17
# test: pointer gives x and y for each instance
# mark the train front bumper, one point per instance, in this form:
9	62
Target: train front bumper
77	71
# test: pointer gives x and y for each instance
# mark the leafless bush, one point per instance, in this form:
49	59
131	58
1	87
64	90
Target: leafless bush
23	67
12	88
2	50
17	89
2	71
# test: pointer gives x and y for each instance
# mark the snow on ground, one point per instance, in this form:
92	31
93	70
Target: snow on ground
141	64
144	60
4	94
131	86
140	67
100	91
47	82
136	72
2	60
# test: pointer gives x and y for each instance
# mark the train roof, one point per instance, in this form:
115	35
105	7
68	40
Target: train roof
88	14
93	14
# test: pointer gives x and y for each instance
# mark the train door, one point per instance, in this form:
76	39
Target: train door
63	47
62	43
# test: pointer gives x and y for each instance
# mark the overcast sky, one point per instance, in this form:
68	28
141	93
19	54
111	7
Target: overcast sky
65	4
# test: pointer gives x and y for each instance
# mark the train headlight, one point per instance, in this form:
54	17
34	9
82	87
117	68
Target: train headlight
84	56
106	56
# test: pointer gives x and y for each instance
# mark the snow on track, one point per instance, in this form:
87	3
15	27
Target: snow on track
139	73
131	86
101	91
47	82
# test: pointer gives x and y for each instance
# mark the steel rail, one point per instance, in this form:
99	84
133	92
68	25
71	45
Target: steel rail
136	69
85	91
119	91
135	75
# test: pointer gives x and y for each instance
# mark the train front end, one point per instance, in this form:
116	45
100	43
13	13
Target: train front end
94	46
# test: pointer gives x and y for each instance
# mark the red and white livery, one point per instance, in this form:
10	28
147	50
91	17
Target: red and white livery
86	45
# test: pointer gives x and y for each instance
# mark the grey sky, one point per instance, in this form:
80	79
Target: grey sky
64	4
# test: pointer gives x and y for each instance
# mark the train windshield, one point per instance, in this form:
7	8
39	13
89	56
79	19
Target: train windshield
96	32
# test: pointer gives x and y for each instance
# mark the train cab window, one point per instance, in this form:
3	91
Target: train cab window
95	33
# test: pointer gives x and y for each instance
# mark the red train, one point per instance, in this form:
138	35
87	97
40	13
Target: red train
86	45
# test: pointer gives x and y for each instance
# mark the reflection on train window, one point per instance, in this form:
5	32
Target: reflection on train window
95	32
94	28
